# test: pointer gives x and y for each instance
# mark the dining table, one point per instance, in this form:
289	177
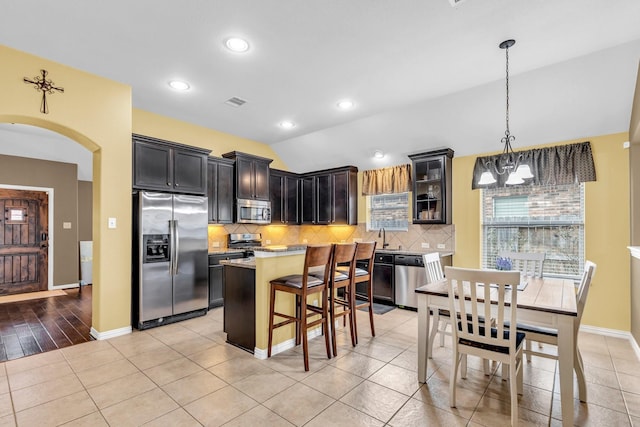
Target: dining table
546	302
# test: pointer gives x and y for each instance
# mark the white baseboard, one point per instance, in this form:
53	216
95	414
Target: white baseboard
613	333
635	345
616	333
261	353
65	286
110	334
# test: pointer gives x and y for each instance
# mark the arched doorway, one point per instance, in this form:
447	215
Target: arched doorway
95	113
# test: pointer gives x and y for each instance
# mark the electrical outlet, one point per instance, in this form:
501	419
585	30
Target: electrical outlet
66	225
304	241
315	302
357	240
441	246
267	242
215	244
425	245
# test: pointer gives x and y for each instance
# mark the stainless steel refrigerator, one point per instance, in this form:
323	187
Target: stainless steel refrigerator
170	265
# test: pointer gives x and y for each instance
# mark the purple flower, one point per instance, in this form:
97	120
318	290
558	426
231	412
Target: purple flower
503	263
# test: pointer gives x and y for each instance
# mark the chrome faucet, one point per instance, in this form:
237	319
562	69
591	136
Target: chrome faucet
382	233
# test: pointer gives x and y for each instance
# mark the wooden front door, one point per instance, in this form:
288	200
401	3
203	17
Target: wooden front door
24	241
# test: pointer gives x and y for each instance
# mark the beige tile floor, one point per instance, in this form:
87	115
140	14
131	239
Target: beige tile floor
185	375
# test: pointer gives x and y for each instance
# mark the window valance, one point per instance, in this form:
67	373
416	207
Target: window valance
394	179
561	164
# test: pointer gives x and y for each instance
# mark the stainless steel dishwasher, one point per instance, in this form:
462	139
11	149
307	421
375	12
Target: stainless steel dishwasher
409	275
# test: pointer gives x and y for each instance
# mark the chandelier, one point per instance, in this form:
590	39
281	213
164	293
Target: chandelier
517	170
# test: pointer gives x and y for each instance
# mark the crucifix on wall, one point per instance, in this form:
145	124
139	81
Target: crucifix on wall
44	85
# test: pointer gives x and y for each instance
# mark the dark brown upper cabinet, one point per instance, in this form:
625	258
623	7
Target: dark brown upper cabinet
252	175
431	173
220	174
330	197
285	192
168	166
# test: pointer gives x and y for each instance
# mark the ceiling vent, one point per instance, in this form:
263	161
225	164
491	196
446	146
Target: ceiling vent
454	3
235	102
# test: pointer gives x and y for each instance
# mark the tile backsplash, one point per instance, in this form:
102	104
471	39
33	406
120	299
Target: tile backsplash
434	235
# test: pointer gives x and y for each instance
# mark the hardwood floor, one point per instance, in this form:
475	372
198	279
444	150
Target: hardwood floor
39	325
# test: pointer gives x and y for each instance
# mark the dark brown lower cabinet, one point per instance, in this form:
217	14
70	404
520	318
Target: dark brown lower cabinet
240	306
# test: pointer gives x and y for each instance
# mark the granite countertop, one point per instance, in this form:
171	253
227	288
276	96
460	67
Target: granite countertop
222	251
443	253
281	248
240	262
302	247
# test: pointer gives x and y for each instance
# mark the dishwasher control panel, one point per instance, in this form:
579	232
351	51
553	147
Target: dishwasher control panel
411	260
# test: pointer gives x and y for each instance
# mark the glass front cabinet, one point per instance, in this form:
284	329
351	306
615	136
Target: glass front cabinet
431	174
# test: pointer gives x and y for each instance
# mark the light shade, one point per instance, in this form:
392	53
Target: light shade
286	124
486	178
514	179
345	104
236	44
179	85
524	171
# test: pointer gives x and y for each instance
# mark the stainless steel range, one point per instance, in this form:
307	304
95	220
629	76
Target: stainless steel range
246	241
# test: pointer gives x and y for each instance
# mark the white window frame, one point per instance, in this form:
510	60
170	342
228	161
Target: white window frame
527	225
392	225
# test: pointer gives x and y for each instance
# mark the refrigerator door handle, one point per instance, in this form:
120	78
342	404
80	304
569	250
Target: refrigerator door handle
171	247
176	239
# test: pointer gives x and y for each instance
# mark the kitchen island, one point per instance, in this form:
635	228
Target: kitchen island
246	296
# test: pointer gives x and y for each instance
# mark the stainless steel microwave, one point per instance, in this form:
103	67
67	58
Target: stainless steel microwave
253	211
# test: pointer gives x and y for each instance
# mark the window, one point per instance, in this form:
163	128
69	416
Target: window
388	211
546	219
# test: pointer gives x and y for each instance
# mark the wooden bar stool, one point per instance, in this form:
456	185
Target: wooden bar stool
341	277
365	251
303	285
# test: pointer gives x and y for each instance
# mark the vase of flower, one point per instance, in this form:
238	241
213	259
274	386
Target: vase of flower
503	263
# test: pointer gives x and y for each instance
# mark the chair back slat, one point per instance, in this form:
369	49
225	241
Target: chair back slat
317	256
471	288
343	253
528	263
433	267
585	284
365	250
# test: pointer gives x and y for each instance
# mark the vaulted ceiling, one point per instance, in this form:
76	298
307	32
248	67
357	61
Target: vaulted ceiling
422	74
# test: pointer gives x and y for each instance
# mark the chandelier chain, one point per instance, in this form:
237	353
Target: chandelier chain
507	132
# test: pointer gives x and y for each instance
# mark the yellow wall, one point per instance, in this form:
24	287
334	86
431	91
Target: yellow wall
149	124
606	228
97	113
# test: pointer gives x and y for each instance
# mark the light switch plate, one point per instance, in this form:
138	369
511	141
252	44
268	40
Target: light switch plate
267	242
441	246
66	225
112	223
215	244
425	245
357	240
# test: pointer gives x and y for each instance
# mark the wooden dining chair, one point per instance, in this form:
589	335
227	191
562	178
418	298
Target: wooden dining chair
441	320
341	277
550	336
302	285
365	252
469	290
528	263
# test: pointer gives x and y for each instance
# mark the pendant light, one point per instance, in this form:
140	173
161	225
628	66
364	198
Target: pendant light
513	165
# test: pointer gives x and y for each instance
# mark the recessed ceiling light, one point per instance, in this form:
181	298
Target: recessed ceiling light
179	85
345	104
378	154
286	124
237	44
